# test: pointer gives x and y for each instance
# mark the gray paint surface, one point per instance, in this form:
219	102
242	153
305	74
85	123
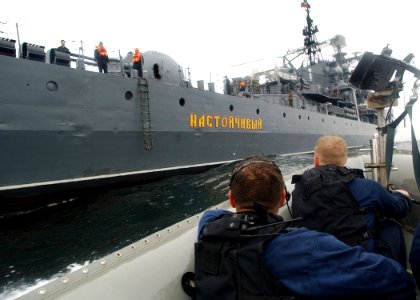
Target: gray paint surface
58	124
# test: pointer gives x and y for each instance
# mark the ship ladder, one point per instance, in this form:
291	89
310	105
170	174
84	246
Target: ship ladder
146	124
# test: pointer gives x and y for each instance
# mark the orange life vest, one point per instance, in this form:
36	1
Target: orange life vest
136	57
102	51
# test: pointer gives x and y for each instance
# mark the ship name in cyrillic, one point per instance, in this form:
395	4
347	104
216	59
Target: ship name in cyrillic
216	121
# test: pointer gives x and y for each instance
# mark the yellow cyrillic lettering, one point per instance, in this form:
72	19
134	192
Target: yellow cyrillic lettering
248	123
201	122
243	123
224	122
208	121
254	124
237	122
231	122
216	121
193	120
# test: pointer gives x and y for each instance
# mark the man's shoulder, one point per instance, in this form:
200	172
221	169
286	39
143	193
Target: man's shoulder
214	213
306	241
365	182
292	231
210	215
362	187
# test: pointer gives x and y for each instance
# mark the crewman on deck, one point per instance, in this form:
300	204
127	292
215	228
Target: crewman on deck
101	58
290	98
227	87
64	58
242	86
138	61
63	47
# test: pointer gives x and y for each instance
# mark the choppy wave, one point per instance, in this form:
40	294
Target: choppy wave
52	241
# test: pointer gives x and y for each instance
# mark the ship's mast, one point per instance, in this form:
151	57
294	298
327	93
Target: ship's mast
311	44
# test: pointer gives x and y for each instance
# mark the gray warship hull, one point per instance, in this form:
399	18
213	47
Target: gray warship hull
65	128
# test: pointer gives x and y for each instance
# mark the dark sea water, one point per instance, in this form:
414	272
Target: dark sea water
51	241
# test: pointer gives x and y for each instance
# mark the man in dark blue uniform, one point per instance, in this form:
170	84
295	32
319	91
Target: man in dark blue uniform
63	47
415	256
254	254
334	199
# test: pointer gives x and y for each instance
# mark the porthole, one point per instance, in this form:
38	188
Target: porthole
322	120
128	95
284	115
308	118
182	101
231	107
300	117
258	111
52	86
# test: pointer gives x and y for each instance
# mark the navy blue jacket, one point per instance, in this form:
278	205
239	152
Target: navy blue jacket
317	265
415	256
369	193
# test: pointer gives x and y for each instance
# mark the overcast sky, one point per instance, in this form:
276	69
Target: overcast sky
213	37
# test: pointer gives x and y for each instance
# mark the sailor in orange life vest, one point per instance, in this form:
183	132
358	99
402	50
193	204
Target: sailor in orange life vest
138	61
101	58
242	86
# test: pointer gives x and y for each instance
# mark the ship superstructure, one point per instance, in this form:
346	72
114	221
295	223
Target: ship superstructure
64	128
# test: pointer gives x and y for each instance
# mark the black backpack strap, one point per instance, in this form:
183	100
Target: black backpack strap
210	261
390	132
296	178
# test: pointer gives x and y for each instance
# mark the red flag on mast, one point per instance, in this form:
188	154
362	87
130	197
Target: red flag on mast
304	4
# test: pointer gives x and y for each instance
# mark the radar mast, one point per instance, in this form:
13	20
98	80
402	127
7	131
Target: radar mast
311	45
